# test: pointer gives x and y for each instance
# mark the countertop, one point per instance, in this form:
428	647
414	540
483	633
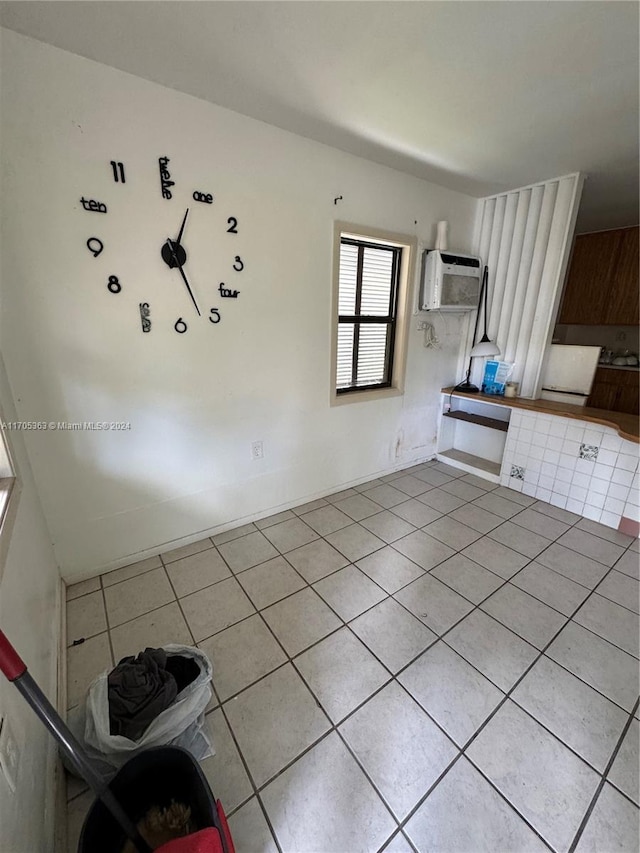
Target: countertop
633	367
627	426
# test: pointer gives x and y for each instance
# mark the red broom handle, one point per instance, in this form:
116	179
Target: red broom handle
11	664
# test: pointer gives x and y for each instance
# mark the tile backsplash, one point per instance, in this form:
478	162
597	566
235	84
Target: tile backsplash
576	465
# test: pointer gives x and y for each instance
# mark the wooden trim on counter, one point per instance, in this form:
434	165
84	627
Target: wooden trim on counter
627	426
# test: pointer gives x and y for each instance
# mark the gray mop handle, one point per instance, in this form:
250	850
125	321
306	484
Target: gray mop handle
76	755
14	668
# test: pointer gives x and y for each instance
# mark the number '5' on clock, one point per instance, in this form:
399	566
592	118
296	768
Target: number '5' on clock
172	243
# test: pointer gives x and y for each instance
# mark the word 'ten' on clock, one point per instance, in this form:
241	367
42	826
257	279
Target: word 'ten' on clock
95	206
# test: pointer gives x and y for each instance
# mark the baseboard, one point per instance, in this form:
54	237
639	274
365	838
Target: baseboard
59	780
236	522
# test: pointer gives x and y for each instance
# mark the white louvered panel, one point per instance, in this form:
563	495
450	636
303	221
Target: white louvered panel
345	355
371	353
376	281
525	237
504	311
348	277
504	242
522	274
560	234
532	296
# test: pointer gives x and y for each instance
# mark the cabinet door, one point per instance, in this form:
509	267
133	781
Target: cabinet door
603	396
588	283
622	307
628	400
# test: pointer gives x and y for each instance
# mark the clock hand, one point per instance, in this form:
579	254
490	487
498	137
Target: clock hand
171	245
184	222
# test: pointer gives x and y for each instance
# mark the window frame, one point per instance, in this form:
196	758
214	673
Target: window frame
10	491
404	260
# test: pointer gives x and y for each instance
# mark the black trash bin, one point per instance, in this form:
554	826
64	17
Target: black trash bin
153	777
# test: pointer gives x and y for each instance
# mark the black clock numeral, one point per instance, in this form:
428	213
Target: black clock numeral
215	318
232	222
205	198
95	246
145	313
238	264
118	171
180	326
114	285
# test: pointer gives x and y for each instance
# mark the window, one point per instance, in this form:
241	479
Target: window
8	491
372	276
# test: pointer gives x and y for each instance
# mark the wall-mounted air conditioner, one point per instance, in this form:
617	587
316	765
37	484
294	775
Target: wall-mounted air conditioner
449	281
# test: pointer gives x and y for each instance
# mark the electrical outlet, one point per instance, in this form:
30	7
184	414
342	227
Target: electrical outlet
8	755
257	450
621	336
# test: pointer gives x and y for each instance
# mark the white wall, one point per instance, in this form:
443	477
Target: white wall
30	617
74	352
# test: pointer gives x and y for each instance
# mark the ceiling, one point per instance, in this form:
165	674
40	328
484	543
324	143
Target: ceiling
476	96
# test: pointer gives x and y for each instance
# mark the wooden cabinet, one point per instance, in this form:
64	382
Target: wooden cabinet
602	282
615	390
622	303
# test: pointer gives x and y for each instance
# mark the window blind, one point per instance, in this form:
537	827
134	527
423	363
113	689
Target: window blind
367	301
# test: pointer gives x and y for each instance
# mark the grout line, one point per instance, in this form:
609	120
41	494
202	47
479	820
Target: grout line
603	780
108	622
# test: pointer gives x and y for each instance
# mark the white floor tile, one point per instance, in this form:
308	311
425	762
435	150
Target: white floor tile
612	622
274	721
316	560
582	718
241	655
224	770
493	649
158	628
434	603
137	595
349	592
392	634
250	831
301	620
455	694
614	825
468	578
215	608
269	582
400	748
624	770
308	814
466	814
196	571
247	551
390	569
86	617
341	672
547	784
602	665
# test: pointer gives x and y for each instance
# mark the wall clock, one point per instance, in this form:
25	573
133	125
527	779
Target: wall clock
195	302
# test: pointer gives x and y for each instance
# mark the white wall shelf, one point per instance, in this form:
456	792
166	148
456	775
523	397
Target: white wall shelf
472	436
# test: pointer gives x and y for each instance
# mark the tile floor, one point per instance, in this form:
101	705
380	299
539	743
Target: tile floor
426	662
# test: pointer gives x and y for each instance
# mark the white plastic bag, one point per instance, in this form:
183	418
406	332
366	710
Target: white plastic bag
181	724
